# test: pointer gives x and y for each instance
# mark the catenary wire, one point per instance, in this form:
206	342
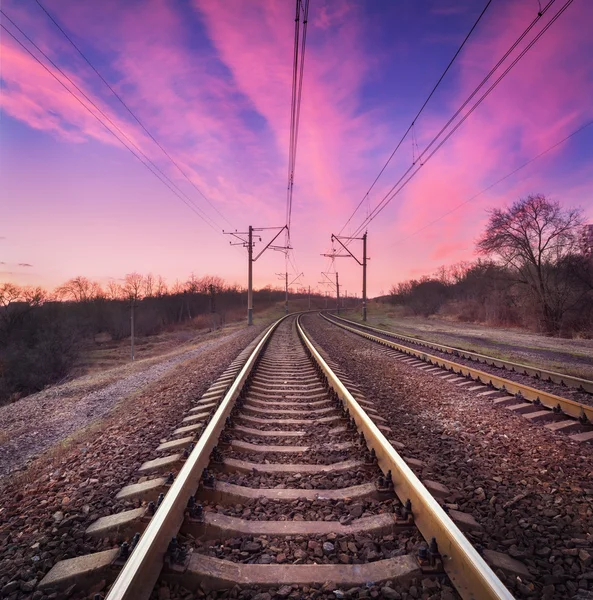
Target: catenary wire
393	191
417	115
295	109
130	111
203	214
77	98
495	183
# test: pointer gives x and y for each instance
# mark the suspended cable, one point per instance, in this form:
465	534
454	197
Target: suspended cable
147	162
295	108
495	183
393	191
417	115
131	112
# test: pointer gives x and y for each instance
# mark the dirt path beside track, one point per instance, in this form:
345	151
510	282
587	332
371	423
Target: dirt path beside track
35	423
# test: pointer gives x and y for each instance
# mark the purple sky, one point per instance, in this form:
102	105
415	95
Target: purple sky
211	81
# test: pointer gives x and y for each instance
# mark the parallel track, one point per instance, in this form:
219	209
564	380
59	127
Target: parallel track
281	414
570	381
535	404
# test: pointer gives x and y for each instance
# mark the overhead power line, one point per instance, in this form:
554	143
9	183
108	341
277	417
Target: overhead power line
399	186
150	135
140	156
495	183
300	40
295	107
411	126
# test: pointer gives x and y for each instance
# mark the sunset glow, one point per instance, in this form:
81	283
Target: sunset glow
211	81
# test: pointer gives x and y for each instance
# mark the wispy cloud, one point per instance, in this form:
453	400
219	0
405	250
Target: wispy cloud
211	80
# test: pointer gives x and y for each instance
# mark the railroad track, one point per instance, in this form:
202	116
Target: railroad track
556	412
282	477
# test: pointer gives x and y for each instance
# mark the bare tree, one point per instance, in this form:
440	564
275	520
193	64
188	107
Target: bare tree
149	285
192	285
160	287
208	282
114	290
176	288
133	287
9	293
79	289
133	290
531	238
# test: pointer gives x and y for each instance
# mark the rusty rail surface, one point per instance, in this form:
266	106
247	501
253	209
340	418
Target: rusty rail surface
578	383
570	408
472	577
137	578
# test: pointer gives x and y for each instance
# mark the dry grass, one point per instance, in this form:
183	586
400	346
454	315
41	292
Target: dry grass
102	357
570	356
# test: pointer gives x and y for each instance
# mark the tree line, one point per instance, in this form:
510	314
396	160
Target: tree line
533	272
43	333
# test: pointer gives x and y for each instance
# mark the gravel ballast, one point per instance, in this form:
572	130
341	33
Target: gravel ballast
546	386
46	508
530	489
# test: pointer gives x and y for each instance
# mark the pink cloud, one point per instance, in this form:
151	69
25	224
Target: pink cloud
201	101
530	110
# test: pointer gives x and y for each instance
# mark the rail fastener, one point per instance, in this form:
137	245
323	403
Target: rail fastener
468	571
576	410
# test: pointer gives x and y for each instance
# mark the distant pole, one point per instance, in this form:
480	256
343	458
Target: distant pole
212	306
309	297
337	293
132	326
240	235
250	277
286	292
364	276
326	300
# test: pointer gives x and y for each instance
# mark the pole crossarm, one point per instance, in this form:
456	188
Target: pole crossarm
295	279
271	241
238	234
329	281
249	244
339	240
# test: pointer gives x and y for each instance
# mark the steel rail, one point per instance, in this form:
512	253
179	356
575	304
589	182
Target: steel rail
137	578
543	374
468	571
525	392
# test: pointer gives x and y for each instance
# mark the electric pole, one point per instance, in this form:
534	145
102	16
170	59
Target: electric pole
362	263
249	244
132	326
250	276
329	282
364	276
286	286
212	304
309	297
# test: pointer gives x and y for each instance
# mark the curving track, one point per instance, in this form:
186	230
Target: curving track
282	478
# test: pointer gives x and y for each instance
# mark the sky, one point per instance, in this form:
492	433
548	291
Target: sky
211	82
